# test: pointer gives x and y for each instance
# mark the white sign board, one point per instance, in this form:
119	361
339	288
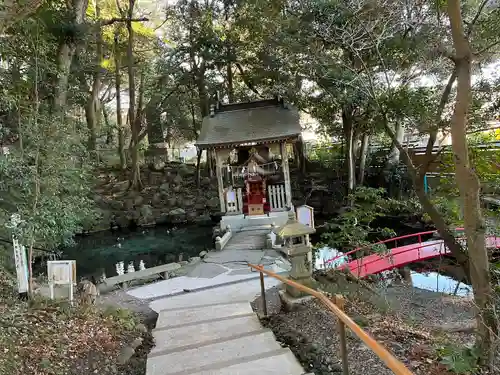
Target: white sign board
231	196
61	272
21	266
305	215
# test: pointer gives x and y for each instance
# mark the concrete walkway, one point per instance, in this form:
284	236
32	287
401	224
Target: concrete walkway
218	268
217	339
206	325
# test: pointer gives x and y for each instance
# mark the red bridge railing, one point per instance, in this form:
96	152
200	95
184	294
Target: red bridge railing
394	239
395	258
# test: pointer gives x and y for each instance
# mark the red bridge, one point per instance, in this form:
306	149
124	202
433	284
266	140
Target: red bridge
401	256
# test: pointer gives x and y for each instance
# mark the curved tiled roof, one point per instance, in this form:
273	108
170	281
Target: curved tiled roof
235	124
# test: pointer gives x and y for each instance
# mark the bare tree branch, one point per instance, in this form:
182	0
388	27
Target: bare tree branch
476	17
429	158
121	19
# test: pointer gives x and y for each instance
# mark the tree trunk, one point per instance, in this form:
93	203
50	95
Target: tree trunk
210	164
394	155
119	120
347	123
362	158
92	108
418	183
198	167
109	128
468	184
135	176
229	57
300	157
64	58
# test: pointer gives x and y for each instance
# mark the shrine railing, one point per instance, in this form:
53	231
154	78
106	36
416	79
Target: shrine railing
336	307
277	197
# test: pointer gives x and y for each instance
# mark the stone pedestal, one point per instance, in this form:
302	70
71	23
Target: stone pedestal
301	271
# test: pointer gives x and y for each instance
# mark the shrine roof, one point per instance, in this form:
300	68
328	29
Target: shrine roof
231	125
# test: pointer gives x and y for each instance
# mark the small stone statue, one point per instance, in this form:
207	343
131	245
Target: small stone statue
142	266
130	267
120	268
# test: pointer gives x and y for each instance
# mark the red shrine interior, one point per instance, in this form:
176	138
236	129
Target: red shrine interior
254	200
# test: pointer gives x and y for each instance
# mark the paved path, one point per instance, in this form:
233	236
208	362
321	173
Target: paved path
206	325
217	339
218	268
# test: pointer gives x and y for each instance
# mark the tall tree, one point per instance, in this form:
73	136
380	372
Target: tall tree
468	184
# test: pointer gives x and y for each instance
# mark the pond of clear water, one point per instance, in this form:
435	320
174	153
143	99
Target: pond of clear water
160	245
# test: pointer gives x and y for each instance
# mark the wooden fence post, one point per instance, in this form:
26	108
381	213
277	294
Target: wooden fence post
340	302
263	293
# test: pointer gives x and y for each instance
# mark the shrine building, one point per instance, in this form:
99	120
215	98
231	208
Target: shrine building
250	143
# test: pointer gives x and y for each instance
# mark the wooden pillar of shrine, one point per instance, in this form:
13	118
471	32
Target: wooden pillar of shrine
220	183
286	174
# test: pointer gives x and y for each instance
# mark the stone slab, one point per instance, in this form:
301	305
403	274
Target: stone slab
207	270
179	285
182	316
188	361
175	339
221	269
240	291
235	256
283	363
148	272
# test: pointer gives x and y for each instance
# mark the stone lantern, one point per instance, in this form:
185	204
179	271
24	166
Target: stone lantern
298	248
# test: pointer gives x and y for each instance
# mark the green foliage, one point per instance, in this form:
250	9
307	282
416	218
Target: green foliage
460	360
122	317
486	162
449	208
48	183
353	228
329	156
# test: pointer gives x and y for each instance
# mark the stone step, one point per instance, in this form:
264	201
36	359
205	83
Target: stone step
260	229
244	241
172	318
282	363
218	355
175	339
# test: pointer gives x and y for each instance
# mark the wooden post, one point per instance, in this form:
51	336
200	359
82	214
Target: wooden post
239	197
339	301
220	184
286	174
263	293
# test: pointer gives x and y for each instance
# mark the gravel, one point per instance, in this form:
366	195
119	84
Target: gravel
310	332
406	328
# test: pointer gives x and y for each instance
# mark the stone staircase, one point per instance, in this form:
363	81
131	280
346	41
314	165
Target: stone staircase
217	339
248	240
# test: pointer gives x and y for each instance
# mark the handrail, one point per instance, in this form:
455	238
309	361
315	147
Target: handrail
394	239
392	362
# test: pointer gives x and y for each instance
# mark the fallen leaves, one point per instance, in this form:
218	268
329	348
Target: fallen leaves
47	338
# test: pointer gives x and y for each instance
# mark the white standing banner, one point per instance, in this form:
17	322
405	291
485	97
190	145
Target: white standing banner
21	266
61	272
